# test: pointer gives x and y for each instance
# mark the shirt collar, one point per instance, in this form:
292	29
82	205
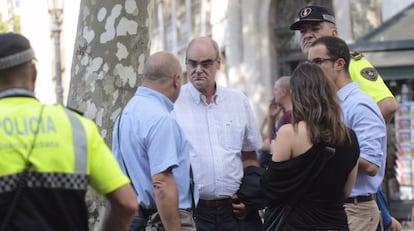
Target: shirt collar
145	91
16	92
346	90
198	97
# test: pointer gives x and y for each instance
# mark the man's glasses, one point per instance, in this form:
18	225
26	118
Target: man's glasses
204	63
319	61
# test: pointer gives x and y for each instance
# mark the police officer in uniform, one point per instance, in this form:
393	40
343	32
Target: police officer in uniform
49	155
317	21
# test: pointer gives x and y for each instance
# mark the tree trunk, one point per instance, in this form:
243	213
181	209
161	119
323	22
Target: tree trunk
112	43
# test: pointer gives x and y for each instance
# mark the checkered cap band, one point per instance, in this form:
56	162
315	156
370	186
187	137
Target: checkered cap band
16	59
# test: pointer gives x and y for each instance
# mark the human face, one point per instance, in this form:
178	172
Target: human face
202	63
278	93
318	54
311	31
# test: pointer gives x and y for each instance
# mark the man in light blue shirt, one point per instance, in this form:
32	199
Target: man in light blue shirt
150	145
361	114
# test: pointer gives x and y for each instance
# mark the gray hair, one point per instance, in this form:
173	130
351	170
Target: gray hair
213	43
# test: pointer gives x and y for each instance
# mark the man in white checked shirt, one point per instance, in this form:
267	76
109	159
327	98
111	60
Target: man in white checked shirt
223	136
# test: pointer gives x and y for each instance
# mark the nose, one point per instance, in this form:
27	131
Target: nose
307	33
199	68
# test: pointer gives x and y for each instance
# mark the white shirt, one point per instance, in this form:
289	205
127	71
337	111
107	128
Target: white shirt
217	134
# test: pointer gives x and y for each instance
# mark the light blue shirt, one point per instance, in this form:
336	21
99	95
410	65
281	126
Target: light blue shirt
151	141
362	114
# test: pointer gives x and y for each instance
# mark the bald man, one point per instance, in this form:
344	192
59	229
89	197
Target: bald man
152	150
279	113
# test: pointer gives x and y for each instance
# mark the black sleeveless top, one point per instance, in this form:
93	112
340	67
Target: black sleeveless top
312	185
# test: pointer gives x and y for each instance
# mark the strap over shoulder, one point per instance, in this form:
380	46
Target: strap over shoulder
75	110
356	55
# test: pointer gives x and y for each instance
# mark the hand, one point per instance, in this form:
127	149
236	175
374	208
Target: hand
240	210
395	225
274	109
266	145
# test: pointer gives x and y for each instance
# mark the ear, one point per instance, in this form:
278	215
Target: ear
340	64
334	32
33	74
218	64
177	80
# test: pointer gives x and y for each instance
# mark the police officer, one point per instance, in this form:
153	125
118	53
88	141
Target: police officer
49	155
315	22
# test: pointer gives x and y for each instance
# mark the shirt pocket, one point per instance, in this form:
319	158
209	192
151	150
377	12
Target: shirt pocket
231	135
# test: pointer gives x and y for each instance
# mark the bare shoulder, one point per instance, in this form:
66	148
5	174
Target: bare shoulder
282	146
286	130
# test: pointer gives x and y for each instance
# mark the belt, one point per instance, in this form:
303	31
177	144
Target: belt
359	199
146	213
216	203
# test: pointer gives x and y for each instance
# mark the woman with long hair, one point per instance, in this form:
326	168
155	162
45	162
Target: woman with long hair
314	161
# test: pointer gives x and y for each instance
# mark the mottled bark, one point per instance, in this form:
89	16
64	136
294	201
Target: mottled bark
112	43
366	15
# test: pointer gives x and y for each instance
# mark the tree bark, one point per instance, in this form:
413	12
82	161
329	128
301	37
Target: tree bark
112	43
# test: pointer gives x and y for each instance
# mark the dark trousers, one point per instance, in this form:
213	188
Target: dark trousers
138	224
222	219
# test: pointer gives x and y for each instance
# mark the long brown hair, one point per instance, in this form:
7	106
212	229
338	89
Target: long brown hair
315	102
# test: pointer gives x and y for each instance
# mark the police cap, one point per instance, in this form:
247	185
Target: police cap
313	14
15	49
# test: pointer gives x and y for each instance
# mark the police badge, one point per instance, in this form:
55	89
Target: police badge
370	73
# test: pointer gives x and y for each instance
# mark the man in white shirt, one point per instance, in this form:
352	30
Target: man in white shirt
223	136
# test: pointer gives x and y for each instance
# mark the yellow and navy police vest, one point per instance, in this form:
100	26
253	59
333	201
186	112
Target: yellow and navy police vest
370	81
68	154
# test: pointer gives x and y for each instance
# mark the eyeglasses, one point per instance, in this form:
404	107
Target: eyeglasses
204	63
319	61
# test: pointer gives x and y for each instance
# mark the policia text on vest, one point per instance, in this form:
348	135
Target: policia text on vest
27	127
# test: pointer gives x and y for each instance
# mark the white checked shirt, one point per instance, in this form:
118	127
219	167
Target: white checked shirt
217	134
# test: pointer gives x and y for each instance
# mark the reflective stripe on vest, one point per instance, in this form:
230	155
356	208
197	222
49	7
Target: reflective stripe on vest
79	143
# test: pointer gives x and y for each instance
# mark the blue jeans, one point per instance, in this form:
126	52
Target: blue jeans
216	219
138	224
222	219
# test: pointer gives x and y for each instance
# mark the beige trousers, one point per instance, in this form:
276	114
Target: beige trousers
186	218
363	216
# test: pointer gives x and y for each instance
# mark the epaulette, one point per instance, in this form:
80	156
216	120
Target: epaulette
356	55
76	111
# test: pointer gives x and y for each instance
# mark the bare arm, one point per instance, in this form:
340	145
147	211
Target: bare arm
249	159
124	205
282	146
367	167
350	182
263	127
166	198
273	114
388	107
395	225
265	134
